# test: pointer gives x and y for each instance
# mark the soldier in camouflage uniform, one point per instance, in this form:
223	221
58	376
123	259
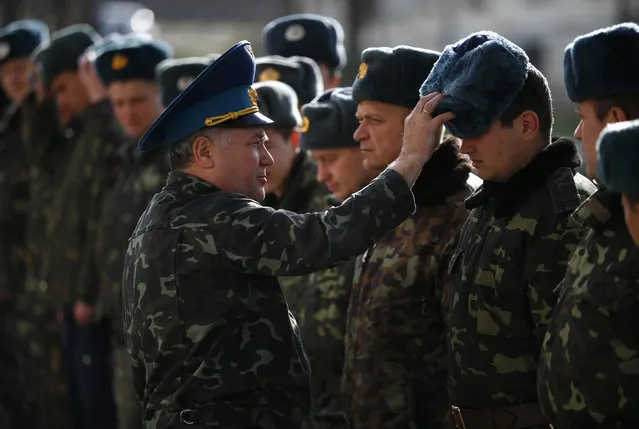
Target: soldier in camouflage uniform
208	331
94	137
395	373
127	68
18	40
324	295
318	37
588	371
514	247
291	179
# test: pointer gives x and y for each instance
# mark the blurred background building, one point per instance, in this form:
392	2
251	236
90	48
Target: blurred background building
195	27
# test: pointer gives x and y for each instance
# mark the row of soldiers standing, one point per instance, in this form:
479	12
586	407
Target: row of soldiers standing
378	321
72	187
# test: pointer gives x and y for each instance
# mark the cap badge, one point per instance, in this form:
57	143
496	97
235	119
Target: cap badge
119	62
269	74
363	68
306	124
294	33
184	81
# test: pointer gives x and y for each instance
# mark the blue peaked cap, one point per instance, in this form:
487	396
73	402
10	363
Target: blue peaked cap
618	157
221	96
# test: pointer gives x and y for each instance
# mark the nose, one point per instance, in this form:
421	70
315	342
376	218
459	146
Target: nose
468	146
266	159
322	173
578	130
360	133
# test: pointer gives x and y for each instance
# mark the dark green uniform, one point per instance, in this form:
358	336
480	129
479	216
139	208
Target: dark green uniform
512	252
208	329
589	369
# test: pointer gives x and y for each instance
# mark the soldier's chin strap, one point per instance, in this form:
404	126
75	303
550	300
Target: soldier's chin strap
231	116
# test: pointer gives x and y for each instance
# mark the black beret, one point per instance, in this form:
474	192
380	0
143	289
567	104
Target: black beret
618	157
21	38
393	75
480	76
64	49
130	57
300	73
603	63
278	101
329	122
315	36
174	75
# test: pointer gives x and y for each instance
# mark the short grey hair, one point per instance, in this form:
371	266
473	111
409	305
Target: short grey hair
181	154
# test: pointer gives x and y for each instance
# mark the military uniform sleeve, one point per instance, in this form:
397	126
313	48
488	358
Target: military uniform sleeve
102	141
546	264
260	240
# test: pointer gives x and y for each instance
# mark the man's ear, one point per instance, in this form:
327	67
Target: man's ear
204	152
529	124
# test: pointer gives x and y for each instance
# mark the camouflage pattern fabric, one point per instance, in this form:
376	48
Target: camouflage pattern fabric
142	175
208	328
589	368
395	369
14	198
42	390
71	224
512	252
304	194
322	306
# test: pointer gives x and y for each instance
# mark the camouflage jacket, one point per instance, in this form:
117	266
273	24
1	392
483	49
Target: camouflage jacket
71	224
48	150
14	199
589	369
395	371
142	175
207	326
304	194
512	252
322	301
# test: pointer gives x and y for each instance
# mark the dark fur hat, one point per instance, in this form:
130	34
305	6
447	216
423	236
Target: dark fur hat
393	75
278	101
315	36
480	76
603	63
329	122
618	157
61	54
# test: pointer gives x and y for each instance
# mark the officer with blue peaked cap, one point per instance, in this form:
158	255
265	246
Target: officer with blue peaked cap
18	41
221	96
205	258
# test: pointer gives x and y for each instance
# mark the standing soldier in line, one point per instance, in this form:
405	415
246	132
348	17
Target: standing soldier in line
18	40
618	167
300	73
291	183
94	138
308	35
323	296
208	330
395	374
127	68
589	371
514	247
